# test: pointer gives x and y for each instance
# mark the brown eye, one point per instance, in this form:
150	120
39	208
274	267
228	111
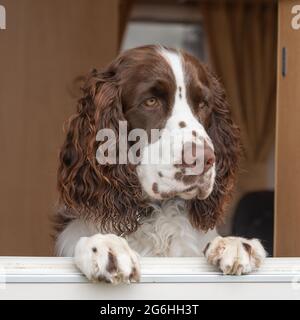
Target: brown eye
151	102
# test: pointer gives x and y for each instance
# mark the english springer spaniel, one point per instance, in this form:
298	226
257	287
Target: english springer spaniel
110	214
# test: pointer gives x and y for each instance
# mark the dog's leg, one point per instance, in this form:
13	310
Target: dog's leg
100	257
234	255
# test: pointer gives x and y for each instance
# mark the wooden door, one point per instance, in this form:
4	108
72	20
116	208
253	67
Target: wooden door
287	218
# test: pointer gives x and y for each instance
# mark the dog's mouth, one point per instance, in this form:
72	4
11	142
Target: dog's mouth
199	186
189	193
163	183
197	190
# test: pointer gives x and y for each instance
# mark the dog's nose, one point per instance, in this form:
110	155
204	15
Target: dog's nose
195	154
209	157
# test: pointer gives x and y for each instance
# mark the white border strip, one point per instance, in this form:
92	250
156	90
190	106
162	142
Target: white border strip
154	270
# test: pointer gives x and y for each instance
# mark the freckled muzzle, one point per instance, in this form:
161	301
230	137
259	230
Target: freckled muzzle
178	165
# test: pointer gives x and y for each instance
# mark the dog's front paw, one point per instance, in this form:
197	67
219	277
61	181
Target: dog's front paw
235	256
107	258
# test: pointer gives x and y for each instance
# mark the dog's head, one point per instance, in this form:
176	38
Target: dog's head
178	131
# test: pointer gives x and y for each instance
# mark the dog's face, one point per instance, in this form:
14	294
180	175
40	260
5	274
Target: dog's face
168	90
195	153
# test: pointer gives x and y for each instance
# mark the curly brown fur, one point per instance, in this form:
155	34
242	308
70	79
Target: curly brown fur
107	193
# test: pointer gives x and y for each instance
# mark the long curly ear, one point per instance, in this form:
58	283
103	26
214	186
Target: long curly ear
111	194
205	214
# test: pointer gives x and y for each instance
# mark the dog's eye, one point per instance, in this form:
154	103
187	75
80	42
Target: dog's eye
151	102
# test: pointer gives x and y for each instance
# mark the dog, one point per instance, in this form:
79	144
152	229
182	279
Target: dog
111	213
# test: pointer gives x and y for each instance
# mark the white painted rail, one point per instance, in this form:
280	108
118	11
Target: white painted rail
162	278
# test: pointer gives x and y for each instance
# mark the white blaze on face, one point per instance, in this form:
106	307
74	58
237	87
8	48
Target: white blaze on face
181	109
178	131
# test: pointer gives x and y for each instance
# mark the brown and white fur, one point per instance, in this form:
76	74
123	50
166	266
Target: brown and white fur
111	214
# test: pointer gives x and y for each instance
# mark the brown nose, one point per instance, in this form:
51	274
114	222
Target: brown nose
209	157
193	151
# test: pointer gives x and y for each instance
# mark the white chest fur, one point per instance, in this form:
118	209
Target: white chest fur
168	232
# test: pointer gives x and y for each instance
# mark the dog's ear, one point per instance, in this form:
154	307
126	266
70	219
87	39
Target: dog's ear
109	193
225	135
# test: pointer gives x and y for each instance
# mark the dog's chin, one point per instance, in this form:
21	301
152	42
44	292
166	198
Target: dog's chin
189	194
202	190
196	193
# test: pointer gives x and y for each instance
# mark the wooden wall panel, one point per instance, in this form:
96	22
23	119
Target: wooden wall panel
287	220
46	45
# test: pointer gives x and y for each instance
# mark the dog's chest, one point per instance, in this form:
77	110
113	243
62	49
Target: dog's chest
168	232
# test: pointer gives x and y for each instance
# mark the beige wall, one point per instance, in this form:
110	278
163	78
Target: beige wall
46	45
287	220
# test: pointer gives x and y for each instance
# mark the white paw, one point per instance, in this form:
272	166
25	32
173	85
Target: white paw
235	256
107	258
